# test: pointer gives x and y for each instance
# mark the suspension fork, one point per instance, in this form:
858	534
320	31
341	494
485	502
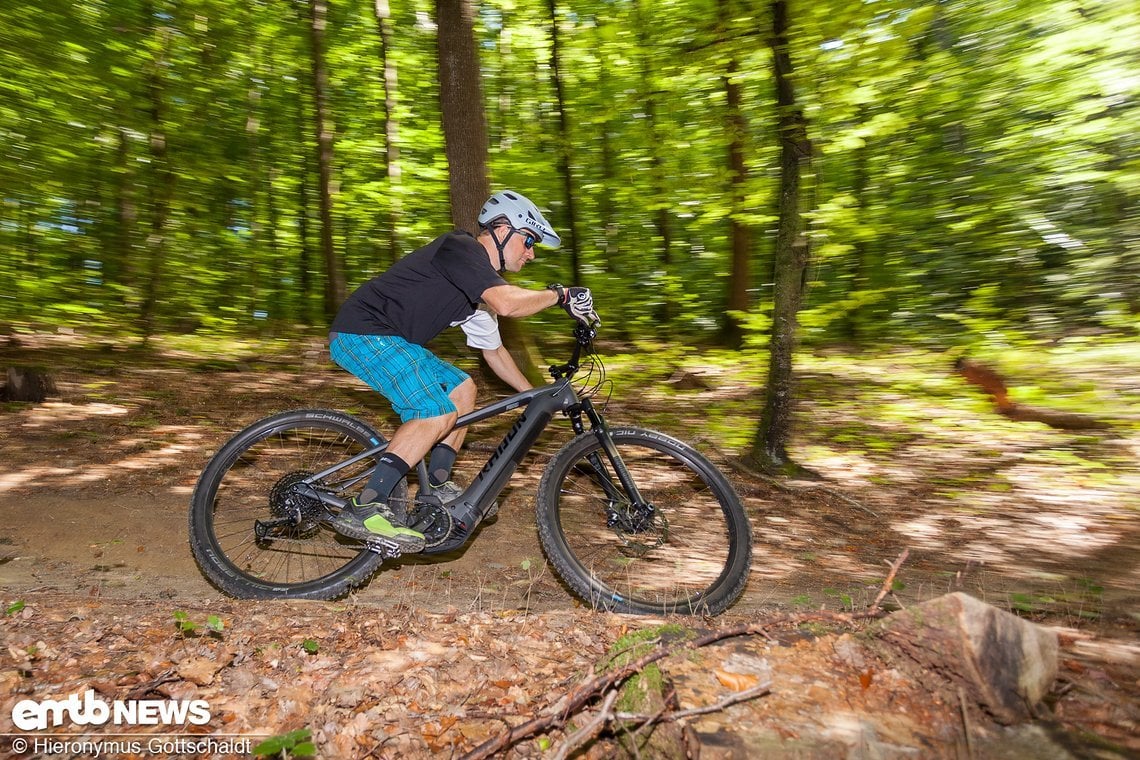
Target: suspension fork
602	433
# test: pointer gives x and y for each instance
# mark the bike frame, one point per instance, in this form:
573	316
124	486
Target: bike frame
539	406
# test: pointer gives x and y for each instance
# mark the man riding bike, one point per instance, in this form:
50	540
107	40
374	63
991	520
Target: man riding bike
381	331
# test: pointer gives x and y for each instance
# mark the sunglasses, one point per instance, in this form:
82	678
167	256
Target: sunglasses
529	240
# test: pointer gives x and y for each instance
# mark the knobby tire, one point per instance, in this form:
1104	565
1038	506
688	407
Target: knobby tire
690	555
247	481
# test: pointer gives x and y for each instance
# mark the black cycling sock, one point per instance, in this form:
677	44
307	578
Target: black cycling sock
390	470
440	464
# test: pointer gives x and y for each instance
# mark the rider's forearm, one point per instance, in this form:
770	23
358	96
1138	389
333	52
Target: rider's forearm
503	364
513	301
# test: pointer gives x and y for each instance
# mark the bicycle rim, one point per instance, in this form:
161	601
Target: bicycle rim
689	555
248	482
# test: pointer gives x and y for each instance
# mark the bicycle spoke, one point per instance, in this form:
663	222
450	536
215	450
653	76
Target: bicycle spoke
667	559
260	487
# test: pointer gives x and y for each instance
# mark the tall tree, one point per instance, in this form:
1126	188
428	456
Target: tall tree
391	124
161	185
564	148
659	194
769	446
464	120
465	138
335	287
740	235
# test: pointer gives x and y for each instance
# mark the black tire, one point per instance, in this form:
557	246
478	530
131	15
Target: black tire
247	480
690	556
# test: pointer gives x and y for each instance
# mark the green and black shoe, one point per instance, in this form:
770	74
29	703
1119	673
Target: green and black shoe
375	520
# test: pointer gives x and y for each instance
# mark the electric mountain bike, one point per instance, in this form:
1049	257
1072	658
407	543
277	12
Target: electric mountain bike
631	519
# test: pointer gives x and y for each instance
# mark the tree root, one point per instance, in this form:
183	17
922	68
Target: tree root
741	466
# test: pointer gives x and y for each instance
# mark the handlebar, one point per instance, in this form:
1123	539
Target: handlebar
584	335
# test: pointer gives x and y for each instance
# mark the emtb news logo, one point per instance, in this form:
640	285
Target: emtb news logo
90	710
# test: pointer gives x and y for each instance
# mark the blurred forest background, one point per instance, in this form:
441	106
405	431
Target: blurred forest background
210	166
894	184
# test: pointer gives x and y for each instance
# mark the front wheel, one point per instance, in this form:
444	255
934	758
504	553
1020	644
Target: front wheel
685	548
257	529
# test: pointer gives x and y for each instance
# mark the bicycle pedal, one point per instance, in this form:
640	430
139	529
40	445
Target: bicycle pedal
385	548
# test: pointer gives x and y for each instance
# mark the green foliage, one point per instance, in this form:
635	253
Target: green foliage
188	627
183	622
845	600
1080	598
974	170
293	744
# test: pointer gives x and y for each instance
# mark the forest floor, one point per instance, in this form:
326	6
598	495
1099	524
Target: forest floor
434	656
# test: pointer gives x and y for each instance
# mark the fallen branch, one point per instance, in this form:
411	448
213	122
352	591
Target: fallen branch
559	713
759	690
994	385
591	729
890	579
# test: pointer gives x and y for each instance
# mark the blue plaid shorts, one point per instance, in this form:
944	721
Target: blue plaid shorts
416	381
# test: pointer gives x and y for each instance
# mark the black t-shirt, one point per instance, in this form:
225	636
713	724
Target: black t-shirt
423	293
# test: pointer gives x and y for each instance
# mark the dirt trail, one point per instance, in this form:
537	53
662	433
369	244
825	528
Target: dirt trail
95	489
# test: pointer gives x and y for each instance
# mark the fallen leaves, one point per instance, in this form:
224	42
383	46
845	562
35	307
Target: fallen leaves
409	684
736	681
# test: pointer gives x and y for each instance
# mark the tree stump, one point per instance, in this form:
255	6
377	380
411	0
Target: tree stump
27	385
1002	663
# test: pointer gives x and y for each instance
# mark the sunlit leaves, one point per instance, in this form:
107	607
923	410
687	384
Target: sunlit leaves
957	144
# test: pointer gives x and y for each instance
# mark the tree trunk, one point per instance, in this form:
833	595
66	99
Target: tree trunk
391	126
857	318
740	279
564	143
27	384
769	448
121	261
465	138
611	262
258	298
461	104
335	287
305	264
658	203
161	189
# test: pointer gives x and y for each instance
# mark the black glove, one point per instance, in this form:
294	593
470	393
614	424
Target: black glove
577	302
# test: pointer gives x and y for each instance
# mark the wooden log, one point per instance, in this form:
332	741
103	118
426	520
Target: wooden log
993	384
25	384
958	644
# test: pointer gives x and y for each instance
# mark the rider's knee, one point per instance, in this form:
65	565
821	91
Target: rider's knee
464	396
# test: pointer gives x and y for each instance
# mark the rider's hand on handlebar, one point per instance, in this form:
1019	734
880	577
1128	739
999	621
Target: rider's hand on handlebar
577	302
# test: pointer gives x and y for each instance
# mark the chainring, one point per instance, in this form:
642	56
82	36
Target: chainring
432	520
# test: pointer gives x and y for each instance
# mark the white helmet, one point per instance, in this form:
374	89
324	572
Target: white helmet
521	214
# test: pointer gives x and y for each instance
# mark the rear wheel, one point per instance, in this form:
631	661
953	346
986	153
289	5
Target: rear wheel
686	548
258	531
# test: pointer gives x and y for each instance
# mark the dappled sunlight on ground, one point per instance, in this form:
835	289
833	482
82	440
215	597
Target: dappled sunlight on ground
914	461
166	446
53	414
